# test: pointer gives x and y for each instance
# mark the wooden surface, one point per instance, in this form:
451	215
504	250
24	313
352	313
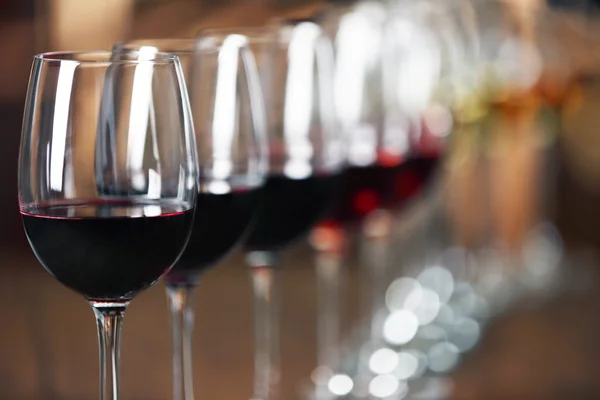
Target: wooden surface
48	347
546	353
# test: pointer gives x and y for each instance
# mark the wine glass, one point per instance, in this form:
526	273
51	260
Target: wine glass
380	96
393	79
295	60
228	110
107	179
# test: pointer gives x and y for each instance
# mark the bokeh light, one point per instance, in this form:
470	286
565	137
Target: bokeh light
442	357
383	386
340	385
383	361
400	327
408	365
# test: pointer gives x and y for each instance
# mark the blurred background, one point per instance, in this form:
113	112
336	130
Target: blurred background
536	338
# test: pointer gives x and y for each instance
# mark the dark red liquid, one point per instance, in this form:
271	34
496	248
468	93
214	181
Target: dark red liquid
107	251
220	223
288	209
366	189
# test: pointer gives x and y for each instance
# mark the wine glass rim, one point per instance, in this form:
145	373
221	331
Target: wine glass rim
102	57
252	33
165	45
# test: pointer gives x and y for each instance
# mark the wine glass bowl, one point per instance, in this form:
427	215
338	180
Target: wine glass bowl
228	116
106	195
467	247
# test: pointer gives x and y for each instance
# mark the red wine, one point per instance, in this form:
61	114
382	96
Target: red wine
220	223
366	189
107	251
288	209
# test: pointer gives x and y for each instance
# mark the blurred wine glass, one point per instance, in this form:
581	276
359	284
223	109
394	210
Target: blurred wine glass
295	62
394	131
228	112
107	179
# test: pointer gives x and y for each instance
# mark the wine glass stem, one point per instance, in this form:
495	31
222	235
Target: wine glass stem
109	319
266	331
377	268
375	242
182	320
328	271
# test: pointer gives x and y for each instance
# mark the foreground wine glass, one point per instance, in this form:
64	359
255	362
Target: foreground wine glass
228	111
295	61
107	179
